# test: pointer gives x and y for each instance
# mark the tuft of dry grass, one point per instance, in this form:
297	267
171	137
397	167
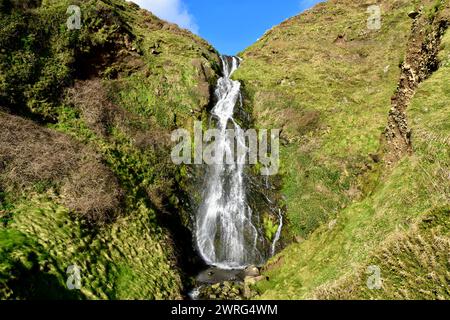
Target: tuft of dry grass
92	99
30	153
97	111
32	156
93	191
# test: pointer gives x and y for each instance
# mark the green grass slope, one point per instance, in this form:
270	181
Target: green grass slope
85	171
327	81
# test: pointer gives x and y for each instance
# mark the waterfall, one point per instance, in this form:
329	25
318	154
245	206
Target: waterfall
278	233
226	234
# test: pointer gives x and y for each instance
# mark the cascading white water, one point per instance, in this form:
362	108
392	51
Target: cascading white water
225	232
278	233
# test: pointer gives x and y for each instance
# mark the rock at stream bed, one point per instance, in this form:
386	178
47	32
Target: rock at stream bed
226	290
219	284
251	271
253	280
216	275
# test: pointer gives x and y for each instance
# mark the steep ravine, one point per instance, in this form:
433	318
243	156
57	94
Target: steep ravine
233	219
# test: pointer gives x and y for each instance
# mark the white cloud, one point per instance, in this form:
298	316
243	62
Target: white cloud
171	10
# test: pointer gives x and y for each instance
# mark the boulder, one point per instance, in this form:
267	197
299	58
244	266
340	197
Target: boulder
251	271
254	280
413	14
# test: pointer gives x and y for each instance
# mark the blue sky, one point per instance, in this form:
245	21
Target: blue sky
229	25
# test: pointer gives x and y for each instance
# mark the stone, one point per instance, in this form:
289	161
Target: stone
251	271
254	280
247	293
261	278
413	14
215	286
332	224
249	280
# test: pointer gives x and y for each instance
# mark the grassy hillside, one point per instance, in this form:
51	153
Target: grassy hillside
85	171
327	80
